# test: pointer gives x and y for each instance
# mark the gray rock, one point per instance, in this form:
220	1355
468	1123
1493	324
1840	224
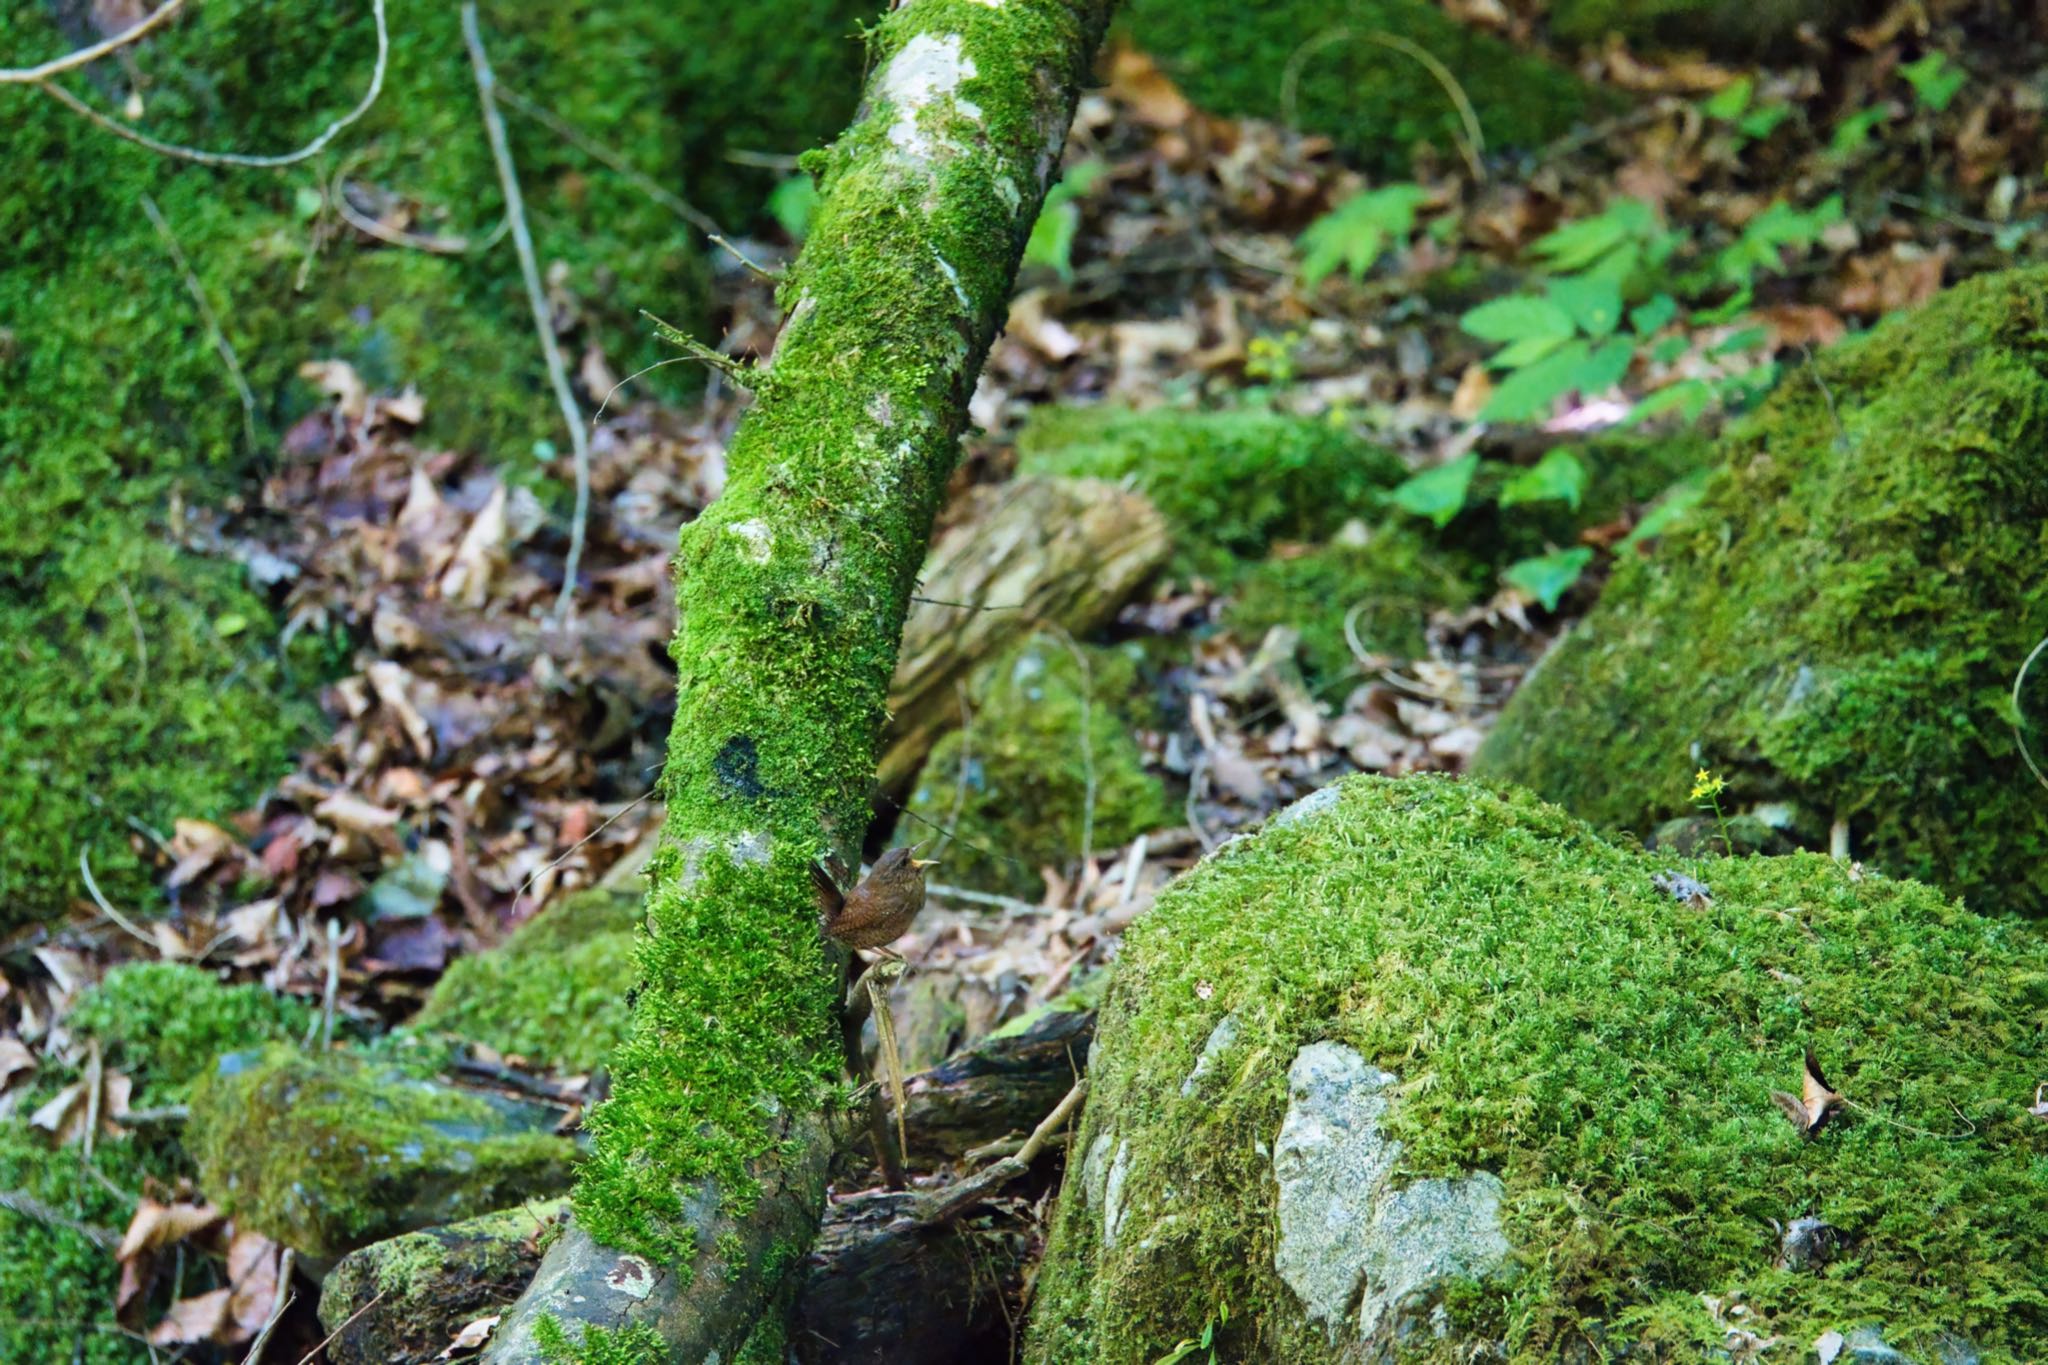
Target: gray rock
1315	803
1347	1235
1807	1244
1220	1039
1867	1346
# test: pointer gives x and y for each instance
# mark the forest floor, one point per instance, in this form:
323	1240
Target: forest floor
483	762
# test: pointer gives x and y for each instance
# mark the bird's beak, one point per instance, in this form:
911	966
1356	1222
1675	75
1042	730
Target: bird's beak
922	863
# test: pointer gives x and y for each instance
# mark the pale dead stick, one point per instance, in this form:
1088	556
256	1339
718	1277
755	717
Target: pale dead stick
209	319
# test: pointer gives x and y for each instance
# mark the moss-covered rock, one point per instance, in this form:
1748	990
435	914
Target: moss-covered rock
1026	800
1735	27
1230	483
1428	1036
1836	627
1374	98
330	1152
554	992
57	1283
405	1299
165	1024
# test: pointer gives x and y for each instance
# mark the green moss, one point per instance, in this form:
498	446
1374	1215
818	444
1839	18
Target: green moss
1376	102
57	1285
330	1152
1026	797
133	693
1836	627
1230	483
554	992
1605	1050
165	1023
791	591
1739	27
634	1345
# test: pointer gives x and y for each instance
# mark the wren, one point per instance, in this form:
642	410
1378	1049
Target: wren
877	911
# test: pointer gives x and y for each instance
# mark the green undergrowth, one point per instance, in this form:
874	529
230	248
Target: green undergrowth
57	1286
1603	1048
332	1151
1735	27
1836	627
144	684
635	1345
554	992
1230	483
1375	99
165	1023
1025	764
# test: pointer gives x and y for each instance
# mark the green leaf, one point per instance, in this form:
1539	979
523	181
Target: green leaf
1527	351
1762	122
1438	494
1517	318
1854	131
230	624
1669	349
1548	577
1530	391
1729	101
1558	477
1574	246
1934	82
1680	498
1603	369
1593	302
791	204
1747	339
1649	317
1357	232
1688	396
1051	244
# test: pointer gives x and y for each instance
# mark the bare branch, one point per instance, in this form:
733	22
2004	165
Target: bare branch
36	75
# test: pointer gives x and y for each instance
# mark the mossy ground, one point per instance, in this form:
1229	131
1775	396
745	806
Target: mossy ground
126	407
1377	103
1737	27
1230	483
329	1152
1837	625
1026	779
554	992
165	1023
1605	1050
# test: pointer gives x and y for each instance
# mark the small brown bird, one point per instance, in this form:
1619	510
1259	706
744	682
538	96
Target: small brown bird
879	910
1815	1102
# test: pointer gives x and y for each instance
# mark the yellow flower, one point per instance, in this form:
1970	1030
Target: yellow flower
1706	786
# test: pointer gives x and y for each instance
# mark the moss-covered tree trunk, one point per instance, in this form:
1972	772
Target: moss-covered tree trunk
707	1172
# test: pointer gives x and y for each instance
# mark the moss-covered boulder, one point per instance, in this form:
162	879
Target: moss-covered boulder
1836	627
1230	483
1039	729
403	1300
1432	1063
332	1151
1355	75
166	1023
554	992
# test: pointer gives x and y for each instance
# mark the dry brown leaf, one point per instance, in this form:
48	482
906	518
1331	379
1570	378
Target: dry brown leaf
1044	333
15	1060
66	1113
393	686
254	1262
339	381
1137	80
156	1225
1802	324
1885	282
193	1320
478	557
472	1336
345	810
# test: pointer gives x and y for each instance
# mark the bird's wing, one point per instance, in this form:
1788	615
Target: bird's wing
1794	1110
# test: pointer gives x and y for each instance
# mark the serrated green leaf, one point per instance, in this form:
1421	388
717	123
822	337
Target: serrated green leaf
1730	100
1531	390
1747	339
1517	318
1438	494
1680	498
1574	246
1593	302
1603	369
1669	349
1357	232
1934	81
1687	396
1649	317
1527	351
1558	477
790	204
1852	132
1763	121
1547	578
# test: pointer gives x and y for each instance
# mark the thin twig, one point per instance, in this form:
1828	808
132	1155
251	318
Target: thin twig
966	759
2019	737
310	1356
891	1057
590	146
412	241
28	1206
1827	396
206	158
772	276
741	375
1087	744
570	851
1472	145
95	1080
971	606
134	33
961	893
92	888
529	269
287	1298
208	319
956	1198
333	987
141	643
